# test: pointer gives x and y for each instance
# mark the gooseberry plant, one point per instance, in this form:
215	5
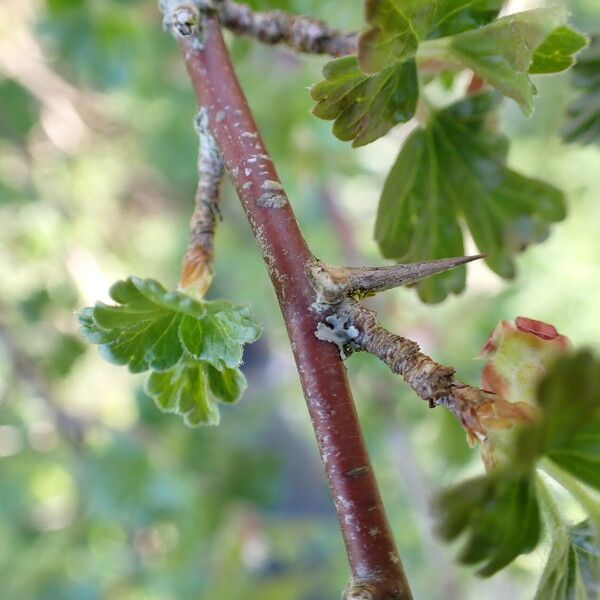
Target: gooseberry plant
537	414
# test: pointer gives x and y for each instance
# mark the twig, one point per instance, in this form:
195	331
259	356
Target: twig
351	326
196	271
303	34
377	572
430	380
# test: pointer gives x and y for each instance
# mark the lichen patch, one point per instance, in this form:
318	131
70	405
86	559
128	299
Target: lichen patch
271	199
269	184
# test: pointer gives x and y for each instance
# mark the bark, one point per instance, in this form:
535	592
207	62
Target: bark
303	34
431	381
196	271
377	572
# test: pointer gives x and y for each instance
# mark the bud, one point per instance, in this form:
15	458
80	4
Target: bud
518	357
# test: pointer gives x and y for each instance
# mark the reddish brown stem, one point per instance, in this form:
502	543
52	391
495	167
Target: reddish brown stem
374	562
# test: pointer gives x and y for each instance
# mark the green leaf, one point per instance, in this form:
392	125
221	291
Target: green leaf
572	571
456	168
581	455
142	331
150	328
193	389
227	385
583	123
456	16
417	218
504	52
585	541
19	111
366	107
557	51
498	514
219	338
507	50
568	431
193	348
399	25
363	107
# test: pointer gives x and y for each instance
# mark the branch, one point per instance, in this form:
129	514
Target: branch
196	271
303	34
377	572
358	328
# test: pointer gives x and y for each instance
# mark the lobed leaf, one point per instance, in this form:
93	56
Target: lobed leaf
397	26
497	514
568	431
364	107
455	168
150	328
572	571
193	389
220	336
192	348
583	123
556	53
369	94
142	330
506	51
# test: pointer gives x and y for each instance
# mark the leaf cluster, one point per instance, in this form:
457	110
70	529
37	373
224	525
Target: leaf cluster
193	349
499	514
451	171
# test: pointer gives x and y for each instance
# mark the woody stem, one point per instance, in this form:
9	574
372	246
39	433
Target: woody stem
374	562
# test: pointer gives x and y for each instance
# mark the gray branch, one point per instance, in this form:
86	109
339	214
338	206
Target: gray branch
196	272
430	380
303	34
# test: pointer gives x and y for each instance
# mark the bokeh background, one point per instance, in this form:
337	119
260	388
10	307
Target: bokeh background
103	497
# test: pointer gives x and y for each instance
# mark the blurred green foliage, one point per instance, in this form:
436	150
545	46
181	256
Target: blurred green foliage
583	125
103	497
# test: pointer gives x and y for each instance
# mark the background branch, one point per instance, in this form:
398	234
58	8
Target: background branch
303	34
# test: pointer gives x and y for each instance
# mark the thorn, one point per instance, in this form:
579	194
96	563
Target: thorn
333	284
378	279
417	271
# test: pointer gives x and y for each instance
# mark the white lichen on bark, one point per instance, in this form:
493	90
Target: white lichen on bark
340	332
